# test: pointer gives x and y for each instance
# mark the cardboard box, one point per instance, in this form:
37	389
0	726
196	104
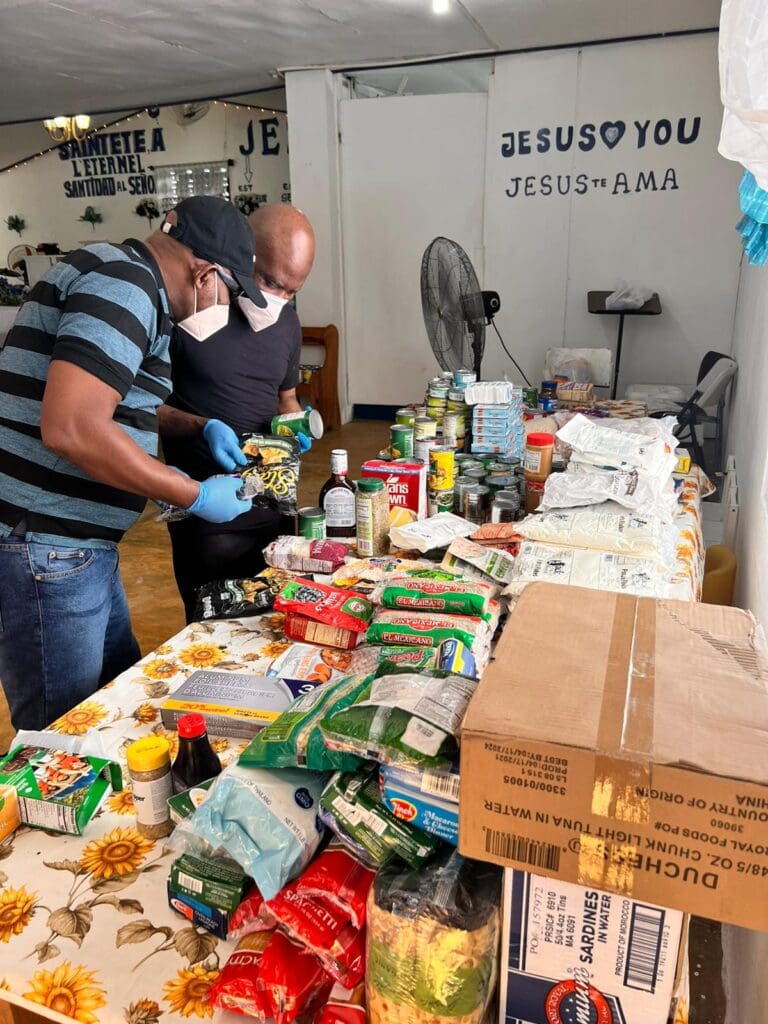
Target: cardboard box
569	953
622	743
202	914
427	799
182	804
57	790
405	481
217	882
233	703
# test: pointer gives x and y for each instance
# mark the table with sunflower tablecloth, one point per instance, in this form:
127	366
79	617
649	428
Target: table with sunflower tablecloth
85	928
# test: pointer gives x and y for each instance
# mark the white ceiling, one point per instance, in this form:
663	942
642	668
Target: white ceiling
70	56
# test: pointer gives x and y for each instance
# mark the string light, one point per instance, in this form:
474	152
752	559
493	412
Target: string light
125	120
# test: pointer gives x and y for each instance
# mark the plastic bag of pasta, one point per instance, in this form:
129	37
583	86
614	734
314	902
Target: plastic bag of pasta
405	718
271	474
433	942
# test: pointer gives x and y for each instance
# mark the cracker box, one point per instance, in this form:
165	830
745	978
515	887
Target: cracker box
56	790
571	953
405	481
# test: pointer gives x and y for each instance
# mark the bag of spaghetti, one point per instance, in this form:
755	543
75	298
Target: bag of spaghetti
433	942
405	718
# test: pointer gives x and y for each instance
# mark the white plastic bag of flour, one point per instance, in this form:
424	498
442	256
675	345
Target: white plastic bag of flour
595	570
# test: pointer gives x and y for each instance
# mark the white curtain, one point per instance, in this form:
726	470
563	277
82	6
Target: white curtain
744	85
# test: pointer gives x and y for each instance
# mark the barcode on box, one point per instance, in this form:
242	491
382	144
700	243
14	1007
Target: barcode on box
441	785
537	855
646	930
188	882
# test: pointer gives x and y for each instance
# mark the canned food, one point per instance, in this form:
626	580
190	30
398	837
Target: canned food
548	404
442	469
290	423
476	473
439	501
498	469
510	461
504	509
463	377
464	458
436	403
421	449
420	410
438	389
531	397
453	429
475	504
471	462
405	416
401	441
456	395
311	523
424	427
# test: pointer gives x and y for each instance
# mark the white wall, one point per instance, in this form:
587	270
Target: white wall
405	179
544	252
36	191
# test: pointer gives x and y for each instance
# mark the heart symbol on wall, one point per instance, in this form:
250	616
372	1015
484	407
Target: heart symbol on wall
611	132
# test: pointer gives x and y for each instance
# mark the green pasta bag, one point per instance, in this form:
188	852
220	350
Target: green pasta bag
403	718
294	739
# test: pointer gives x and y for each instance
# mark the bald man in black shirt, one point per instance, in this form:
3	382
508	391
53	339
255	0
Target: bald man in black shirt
243	375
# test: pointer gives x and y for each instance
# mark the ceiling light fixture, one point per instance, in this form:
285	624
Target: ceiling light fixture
62	129
440	6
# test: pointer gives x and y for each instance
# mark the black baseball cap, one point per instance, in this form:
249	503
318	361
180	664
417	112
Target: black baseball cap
215	230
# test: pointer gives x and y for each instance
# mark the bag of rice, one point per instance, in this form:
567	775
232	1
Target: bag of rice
403	719
299	554
294	740
595	570
490	563
266	821
602	529
354	801
330	605
598	445
421	629
427	534
433	942
590	486
436	592
450	656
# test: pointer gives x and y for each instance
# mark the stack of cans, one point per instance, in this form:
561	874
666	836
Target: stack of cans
498	429
444	404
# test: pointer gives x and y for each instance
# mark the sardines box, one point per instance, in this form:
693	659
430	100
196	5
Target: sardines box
570	954
428	799
213	919
233	703
405	481
215	881
636	763
58	791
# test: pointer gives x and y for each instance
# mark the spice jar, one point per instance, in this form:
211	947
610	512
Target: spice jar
149	768
372	517
537	460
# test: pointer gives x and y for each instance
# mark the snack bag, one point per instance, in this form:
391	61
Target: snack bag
448	594
355	802
271	475
433	941
341	879
344	1006
422	629
239	986
331	606
300	554
234	599
324	930
252	915
294	978
294	740
364	574
405	718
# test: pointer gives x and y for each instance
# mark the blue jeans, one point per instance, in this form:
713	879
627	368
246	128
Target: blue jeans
65	629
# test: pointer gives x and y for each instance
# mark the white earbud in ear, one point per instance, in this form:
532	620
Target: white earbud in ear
167	228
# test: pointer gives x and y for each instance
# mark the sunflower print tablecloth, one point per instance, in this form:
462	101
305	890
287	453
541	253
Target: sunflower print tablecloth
85	928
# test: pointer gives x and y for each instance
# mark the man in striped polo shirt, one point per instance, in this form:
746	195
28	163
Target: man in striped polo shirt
83	372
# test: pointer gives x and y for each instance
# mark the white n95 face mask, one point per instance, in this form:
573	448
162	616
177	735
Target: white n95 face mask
205	322
259	319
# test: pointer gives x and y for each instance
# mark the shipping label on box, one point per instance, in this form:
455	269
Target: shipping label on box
405	481
637	762
573	954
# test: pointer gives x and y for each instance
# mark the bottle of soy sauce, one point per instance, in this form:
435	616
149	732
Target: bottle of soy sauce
196	761
337	498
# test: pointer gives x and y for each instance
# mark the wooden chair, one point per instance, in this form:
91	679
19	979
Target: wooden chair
322	390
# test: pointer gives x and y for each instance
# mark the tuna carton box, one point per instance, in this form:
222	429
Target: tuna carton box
405	481
621	743
570	954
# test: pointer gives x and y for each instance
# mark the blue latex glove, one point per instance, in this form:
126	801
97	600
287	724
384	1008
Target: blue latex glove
224	445
218	502
305	442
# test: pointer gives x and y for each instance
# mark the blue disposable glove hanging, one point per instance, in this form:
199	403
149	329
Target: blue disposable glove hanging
305	441
224	445
218	500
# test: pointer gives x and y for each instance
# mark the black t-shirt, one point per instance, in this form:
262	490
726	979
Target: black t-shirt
234	376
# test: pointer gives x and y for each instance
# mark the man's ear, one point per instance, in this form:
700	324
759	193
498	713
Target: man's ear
201	270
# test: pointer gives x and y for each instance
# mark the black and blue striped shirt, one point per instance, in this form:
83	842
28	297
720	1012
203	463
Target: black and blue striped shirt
105	309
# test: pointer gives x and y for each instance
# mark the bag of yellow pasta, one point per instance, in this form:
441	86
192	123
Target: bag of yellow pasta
271	475
433	941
